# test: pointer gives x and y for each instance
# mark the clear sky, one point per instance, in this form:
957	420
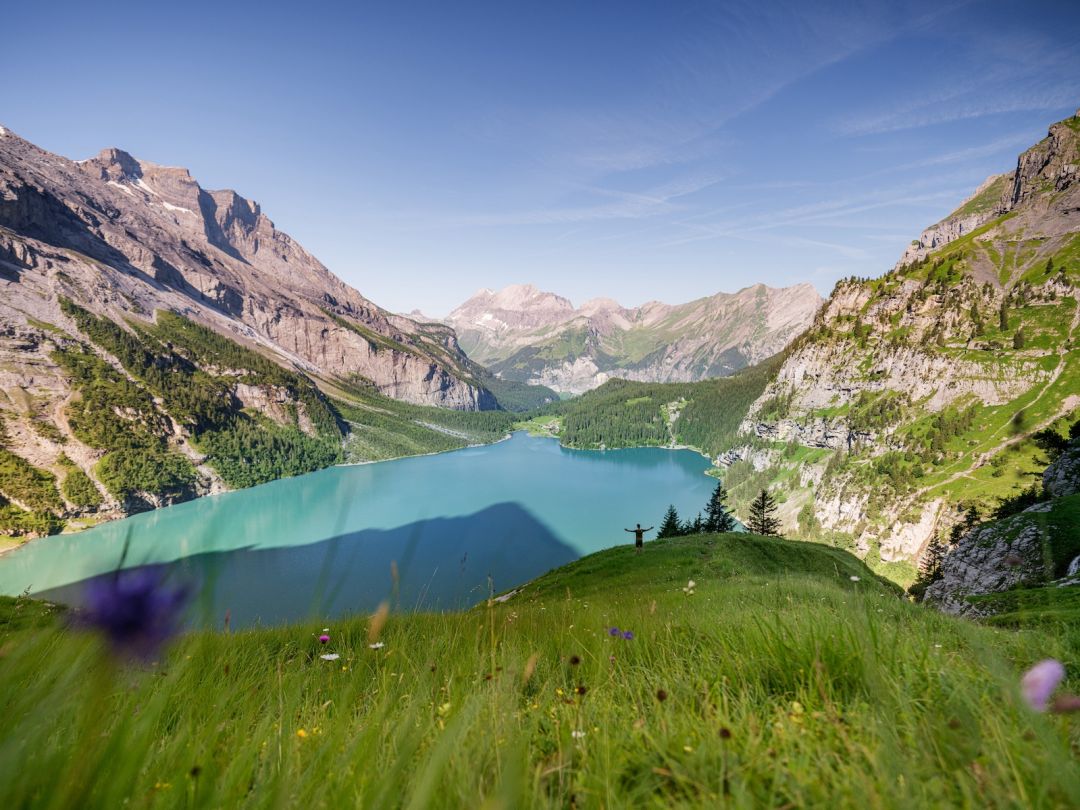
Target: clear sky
637	150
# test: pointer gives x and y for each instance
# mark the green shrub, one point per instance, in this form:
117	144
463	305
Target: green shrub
80	490
148	469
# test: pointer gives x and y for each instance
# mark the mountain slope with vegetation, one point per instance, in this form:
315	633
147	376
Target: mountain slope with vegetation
160	341
527	335
1027	556
704	416
786	676
924	389
166	409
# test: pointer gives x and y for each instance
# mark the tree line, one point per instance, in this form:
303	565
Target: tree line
717	517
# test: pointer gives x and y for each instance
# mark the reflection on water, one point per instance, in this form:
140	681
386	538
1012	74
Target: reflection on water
257	540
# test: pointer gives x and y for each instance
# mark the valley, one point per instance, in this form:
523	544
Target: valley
748	477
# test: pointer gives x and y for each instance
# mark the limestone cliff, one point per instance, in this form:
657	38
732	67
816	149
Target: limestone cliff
927	383
160	341
133	237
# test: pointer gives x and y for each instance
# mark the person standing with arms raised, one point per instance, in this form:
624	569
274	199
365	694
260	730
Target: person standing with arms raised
639	536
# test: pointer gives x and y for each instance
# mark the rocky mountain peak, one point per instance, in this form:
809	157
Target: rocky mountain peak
1050	166
114	164
595	305
134	236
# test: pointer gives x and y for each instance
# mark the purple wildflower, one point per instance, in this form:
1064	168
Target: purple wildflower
628	635
613	631
135	610
1039	683
323	639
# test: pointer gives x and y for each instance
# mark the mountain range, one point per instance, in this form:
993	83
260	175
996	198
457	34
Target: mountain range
159	340
527	335
125	237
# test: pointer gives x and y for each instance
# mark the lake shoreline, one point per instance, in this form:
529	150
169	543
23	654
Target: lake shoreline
16	543
9	545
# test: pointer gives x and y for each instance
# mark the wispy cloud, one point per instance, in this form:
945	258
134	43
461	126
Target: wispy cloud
619	205
1005	72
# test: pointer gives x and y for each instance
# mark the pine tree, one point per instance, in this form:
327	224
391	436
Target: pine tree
1018	338
670	527
717	517
763	518
931	562
1003	317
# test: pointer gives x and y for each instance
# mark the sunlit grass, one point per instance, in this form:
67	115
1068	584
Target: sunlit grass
792	677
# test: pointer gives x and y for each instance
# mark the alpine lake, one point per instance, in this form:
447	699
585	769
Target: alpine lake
432	532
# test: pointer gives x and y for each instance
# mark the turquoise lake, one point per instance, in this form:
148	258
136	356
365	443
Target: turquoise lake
329	543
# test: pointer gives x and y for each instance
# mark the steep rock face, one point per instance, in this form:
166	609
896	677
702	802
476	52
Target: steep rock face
1053	164
1062	477
928	376
989	559
153	232
528	335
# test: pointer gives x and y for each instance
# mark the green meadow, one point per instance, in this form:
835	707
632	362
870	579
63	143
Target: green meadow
788	676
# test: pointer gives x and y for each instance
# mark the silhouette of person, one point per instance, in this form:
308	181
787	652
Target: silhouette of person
639	536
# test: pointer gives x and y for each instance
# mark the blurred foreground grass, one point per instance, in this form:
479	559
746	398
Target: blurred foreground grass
781	681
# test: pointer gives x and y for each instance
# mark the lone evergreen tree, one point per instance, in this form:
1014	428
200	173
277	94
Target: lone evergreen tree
763	518
932	560
717	516
670	526
1018	338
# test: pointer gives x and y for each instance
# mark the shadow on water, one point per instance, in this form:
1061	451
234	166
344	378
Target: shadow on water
442	564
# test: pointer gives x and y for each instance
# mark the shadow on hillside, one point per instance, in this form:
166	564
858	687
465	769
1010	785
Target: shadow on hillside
442	564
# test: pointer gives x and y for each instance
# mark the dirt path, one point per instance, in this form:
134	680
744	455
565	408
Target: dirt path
1069	404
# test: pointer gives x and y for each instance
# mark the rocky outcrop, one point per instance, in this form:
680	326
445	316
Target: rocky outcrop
1062	477
1034	548
1051	165
134	236
527	335
989	559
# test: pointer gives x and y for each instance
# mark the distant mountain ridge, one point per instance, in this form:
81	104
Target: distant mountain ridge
526	334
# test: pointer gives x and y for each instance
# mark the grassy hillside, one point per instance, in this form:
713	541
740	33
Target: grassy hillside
621	413
791	677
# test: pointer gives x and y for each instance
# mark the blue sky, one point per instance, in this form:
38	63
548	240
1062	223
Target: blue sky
637	150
